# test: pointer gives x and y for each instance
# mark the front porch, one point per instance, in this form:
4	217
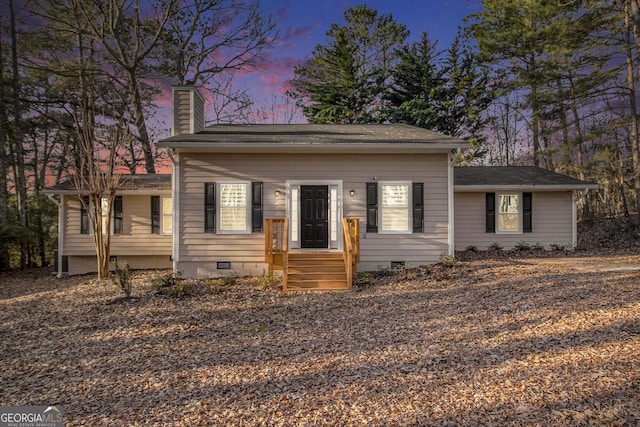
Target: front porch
312	270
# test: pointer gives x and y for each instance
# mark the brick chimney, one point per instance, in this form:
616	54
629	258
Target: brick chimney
187	115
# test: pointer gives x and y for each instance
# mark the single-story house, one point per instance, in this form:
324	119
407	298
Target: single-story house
319	202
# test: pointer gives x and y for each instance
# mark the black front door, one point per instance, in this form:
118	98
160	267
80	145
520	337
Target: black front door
314	206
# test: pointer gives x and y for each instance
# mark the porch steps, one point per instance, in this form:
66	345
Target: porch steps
316	271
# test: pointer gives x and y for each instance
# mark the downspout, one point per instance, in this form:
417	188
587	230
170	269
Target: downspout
451	202
574	215
60	205
175	223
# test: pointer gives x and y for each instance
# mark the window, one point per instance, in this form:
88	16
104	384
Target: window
167	215
509	210
161	215
116	214
84	217
233	207
509	213
395	207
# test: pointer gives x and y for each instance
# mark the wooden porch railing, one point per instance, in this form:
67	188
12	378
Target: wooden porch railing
276	246
351	247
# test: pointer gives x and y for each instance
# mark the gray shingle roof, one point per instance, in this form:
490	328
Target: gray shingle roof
312	134
138	183
515	176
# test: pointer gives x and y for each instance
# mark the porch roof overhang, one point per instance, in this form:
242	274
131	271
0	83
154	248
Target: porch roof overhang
388	138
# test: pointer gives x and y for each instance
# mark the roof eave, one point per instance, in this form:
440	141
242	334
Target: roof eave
140	192
262	148
523	187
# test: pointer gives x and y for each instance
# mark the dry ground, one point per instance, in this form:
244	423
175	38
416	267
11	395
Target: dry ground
487	342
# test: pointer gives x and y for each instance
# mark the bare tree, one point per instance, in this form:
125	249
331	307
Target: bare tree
100	133
208	37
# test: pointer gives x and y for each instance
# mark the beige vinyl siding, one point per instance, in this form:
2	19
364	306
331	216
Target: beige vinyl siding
199	251
136	237
87	264
552	221
188	111
181	112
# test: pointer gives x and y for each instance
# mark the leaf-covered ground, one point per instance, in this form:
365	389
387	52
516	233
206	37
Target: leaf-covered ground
487	342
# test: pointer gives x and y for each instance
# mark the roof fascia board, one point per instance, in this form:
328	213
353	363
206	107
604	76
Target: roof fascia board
250	148
559	187
145	192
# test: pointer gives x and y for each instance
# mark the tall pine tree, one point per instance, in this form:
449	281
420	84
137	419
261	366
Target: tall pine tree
344	80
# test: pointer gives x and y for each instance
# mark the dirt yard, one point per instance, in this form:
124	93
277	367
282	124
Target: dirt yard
504	341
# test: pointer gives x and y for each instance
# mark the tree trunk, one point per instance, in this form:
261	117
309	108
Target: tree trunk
141	124
4	195
635	143
20	178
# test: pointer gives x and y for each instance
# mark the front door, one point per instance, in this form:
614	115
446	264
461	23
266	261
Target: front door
314	207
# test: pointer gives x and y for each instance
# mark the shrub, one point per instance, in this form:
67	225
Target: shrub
449	260
556	247
180	290
522	246
538	247
164	280
471	248
495	246
121	277
363	279
270	282
171	284
218	286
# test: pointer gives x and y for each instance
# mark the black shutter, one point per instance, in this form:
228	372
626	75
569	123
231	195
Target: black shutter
117	215
372	207
210	207
418	207
155	214
256	207
490	201
84	216
527	217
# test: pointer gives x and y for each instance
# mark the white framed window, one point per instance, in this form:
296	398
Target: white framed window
395	207
104	214
234	213
509	213
166	217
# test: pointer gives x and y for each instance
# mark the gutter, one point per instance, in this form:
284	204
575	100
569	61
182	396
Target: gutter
451	201
60	205
175	223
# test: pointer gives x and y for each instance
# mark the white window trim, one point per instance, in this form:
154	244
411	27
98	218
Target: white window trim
163	215
219	229
520	213
409	185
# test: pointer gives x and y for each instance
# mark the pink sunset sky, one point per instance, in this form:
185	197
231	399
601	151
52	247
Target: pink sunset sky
302	24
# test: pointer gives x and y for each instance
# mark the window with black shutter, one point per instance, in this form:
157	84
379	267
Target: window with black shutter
527	213
490	216
372	207
418	207
210	207
117	215
155	214
84	216
256	207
